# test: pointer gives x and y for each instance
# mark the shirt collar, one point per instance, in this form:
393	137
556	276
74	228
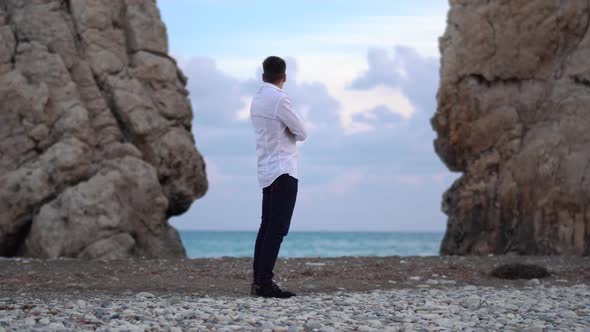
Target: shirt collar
272	86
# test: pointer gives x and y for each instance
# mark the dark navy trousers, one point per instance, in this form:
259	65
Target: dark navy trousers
278	202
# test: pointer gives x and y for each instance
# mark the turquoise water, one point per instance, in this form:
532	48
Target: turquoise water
200	244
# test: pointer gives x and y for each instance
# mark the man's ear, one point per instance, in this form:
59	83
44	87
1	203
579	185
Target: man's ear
285	78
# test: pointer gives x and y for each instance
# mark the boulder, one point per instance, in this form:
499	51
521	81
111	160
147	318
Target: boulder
513	118
96	149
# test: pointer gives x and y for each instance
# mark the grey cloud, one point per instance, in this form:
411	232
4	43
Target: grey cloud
216	97
414	74
323	108
403	144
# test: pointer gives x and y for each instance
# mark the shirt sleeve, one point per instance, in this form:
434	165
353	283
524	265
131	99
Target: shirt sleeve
291	119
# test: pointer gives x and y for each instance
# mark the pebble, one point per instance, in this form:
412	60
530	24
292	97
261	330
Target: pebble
533	282
30	321
314	324
568	314
267	325
374	322
327	329
145	295
55	326
447	282
452	308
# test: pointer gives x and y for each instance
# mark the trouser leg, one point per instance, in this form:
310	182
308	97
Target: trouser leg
261	231
282	195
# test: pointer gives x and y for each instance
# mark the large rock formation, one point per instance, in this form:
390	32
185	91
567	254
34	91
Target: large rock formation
96	150
514	117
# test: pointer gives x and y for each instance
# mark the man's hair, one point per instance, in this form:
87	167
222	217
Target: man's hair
274	69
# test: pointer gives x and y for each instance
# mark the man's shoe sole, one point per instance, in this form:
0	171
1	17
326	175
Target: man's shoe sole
254	288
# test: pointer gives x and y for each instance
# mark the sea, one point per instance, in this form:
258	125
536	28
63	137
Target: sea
208	244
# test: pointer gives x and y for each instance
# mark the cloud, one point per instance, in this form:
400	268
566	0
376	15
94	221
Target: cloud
336	72
418	32
216	97
404	68
378	116
388	130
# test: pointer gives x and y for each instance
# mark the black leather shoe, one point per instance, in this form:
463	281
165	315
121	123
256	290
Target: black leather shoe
270	290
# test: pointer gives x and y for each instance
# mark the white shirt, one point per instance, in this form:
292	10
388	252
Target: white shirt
273	117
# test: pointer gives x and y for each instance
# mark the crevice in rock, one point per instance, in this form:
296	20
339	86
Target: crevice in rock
74	30
24	162
8	17
581	81
104	91
494	33
583	180
125	28
16	244
482	80
575	48
18	239
153	52
24	231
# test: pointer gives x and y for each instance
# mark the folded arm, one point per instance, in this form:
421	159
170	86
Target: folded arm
291	119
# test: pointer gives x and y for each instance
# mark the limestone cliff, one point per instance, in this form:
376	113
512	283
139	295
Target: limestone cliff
96	150
514	116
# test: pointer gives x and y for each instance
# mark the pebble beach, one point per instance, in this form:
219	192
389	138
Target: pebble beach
394	294
467	308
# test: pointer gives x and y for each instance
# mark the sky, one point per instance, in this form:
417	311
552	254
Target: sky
362	74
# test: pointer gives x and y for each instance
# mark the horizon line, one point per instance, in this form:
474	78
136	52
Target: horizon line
320	231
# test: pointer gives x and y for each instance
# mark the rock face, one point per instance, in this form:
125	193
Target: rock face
514	116
96	150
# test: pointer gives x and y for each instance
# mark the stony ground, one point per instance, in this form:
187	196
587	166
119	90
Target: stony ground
334	294
450	308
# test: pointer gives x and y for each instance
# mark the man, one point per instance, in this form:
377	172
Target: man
277	127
